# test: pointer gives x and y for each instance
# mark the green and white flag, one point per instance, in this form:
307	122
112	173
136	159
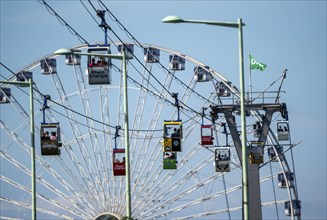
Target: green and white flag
254	64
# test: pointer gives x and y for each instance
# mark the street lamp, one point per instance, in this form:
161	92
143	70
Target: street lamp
30	84
126	126
239	25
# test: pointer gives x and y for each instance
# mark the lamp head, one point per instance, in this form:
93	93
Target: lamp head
172	19
63	52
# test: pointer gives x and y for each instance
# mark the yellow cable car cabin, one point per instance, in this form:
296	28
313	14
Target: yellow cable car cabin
169	160
151	55
99	67
256	152
173	134
73	59
5	94
296	205
128	48
222	159
50	139
176	63
282	131
48	66
118	162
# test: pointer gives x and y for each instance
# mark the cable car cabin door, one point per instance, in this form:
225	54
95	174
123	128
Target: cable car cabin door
172	136
50	139
119	165
99	67
169	160
206	135
222	159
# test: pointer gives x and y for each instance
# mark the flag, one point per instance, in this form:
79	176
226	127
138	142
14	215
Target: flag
254	64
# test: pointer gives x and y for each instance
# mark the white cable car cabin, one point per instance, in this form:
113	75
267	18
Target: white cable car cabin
176	63
296	208
282	180
73	59
201	74
24	76
282	131
50	139
151	55
173	134
223	90
222	159
118	162
169	160
5	94
272	153
48	66
128	48
206	135
256	152
99	66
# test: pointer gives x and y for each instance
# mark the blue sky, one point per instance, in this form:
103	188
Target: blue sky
281	34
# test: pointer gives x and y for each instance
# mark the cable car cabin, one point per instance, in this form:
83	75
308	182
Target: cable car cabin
282	180
272	153
50	139
99	67
169	160
223	90
73	59
151	55
176	63
296	205
206	135
256	152
48	66
257	129
5	94
201	74
173	134
128	48
24	76
222	159
282	131
118	164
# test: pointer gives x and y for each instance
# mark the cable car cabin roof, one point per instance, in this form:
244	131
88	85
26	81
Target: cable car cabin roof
51	124
173	122
118	150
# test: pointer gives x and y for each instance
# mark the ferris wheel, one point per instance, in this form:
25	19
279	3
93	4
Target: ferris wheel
183	125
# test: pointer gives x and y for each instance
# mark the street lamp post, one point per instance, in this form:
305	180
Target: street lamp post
30	84
126	126
239	25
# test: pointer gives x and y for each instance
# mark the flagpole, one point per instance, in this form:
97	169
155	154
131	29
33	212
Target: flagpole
250	80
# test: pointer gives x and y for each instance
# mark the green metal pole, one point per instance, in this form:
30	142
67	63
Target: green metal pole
126	132
243	124
32	151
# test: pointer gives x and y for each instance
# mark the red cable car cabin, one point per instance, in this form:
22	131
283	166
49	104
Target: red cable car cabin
206	135
118	164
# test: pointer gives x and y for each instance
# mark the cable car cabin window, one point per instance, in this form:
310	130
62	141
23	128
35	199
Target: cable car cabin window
272	153
282	180
50	139
48	66
176	62
296	208
24	76
201	74
151	55
73	59
169	160
223	90
256	152
118	164
5	94
99	67
128	48
172	136
222	159
206	135
282	131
